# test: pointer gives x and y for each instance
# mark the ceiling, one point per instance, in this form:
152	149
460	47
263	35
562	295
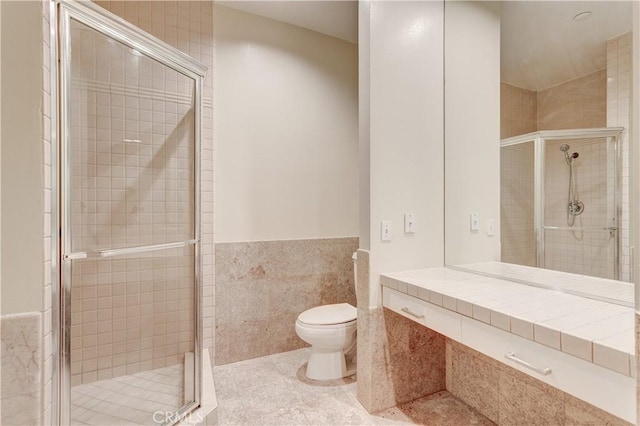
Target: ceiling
542	45
335	18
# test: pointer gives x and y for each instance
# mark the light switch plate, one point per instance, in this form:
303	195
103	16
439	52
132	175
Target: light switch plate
409	223
385	230
474	222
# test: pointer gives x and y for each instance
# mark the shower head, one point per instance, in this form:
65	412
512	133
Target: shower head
564	147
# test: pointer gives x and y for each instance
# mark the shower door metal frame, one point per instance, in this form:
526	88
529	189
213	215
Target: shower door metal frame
114	27
538	139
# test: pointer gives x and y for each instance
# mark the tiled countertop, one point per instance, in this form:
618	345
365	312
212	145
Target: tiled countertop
582	285
593	330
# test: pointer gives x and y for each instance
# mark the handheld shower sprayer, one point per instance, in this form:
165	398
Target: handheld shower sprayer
575	207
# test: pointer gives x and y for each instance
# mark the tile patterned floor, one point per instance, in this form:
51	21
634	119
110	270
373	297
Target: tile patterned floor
272	390
128	400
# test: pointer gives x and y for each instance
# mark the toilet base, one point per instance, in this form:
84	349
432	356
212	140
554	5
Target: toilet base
327	364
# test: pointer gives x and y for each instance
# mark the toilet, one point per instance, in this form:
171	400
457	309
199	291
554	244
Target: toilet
331	332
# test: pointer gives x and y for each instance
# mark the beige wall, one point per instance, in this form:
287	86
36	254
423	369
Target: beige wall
472	130
401	171
402	49
286	131
22	157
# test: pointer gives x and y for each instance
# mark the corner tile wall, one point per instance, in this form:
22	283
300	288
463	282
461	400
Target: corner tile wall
576	104
397	360
47	185
618	115
509	397
518	110
517	236
115	307
262	287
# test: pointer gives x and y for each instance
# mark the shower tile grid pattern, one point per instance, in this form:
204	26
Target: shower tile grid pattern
590	251
618	115
518	244
272	390
188	26
133	314
579	103
48	170
128	400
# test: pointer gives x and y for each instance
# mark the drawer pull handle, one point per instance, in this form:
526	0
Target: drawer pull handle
413	314
513	357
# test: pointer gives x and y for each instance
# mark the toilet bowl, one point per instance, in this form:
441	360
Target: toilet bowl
331	332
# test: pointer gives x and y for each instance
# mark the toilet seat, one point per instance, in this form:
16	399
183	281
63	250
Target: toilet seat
339	314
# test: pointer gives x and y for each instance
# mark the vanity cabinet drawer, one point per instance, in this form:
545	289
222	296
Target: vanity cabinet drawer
436	318
606	389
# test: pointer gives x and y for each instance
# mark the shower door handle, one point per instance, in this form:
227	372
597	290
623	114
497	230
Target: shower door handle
610	228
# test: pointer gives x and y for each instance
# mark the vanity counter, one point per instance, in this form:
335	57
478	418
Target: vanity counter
592	330
582	346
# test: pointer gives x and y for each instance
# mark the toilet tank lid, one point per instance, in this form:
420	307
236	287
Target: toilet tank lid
329	314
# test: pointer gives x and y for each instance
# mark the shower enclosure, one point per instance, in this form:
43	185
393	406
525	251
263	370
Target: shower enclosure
561	200
128	261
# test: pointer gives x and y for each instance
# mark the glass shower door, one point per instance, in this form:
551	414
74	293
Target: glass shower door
130	233
517	200
581	206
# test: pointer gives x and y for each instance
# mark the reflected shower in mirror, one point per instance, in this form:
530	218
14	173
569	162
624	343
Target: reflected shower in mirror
541	123
563	85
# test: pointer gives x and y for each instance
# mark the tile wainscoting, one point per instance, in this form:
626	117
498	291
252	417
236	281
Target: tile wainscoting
21	364
509	397
397	361
262	287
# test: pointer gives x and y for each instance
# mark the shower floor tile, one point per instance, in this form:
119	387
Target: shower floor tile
128	400
272	390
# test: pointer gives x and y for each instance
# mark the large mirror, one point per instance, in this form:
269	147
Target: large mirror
538	106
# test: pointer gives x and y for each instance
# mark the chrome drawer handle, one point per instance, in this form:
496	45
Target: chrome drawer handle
513	357
413	314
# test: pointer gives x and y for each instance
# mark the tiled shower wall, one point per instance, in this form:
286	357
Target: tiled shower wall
618	107
518	110
589	251
580	103
576	104
518	238
262	287
135	313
